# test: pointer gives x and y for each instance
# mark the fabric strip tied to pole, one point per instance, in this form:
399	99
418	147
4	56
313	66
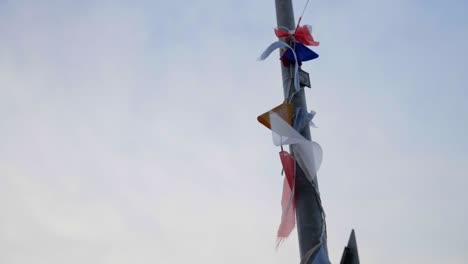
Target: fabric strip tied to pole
277	45
288	203
302	34
302	119
309	157
283	133
308	154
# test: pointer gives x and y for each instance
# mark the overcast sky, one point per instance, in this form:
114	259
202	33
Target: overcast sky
128	131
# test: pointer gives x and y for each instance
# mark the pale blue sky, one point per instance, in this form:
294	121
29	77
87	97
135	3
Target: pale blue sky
129	130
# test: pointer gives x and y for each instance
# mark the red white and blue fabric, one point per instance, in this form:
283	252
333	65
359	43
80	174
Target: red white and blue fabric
302	36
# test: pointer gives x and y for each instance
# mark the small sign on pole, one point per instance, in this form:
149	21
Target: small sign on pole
304	78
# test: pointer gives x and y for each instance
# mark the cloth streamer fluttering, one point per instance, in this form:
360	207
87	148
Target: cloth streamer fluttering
288	202
302	34
309	157
278	45
302	119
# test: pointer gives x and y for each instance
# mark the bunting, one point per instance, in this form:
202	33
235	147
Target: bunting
287	125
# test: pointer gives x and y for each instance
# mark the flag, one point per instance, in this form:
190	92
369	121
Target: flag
302	53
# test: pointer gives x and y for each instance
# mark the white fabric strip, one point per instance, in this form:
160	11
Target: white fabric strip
309	156
283	133
277	45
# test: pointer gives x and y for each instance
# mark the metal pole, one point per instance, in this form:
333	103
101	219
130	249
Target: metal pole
308	213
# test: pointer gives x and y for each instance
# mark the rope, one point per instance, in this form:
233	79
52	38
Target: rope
303	11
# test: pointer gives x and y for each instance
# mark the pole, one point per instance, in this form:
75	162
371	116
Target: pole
308	210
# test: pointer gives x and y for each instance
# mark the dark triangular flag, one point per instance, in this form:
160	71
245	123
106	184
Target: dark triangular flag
303	53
